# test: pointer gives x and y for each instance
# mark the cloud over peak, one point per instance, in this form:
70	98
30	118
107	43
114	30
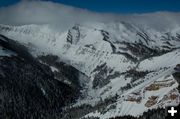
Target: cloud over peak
45	12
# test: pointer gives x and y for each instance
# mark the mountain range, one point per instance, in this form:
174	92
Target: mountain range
63	62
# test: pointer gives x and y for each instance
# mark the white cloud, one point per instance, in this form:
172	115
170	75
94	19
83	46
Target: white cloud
41	12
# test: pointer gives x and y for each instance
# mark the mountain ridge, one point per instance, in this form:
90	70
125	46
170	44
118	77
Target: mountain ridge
112	76
122	64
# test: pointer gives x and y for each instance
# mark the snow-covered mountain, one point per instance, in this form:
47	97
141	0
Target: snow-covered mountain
126	62
28	88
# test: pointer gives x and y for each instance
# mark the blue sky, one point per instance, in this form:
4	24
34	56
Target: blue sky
116	6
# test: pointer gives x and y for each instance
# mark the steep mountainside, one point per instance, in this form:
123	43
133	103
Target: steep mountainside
28	88
125	67
112	65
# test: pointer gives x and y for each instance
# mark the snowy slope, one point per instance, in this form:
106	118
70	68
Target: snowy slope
86	49
129	61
